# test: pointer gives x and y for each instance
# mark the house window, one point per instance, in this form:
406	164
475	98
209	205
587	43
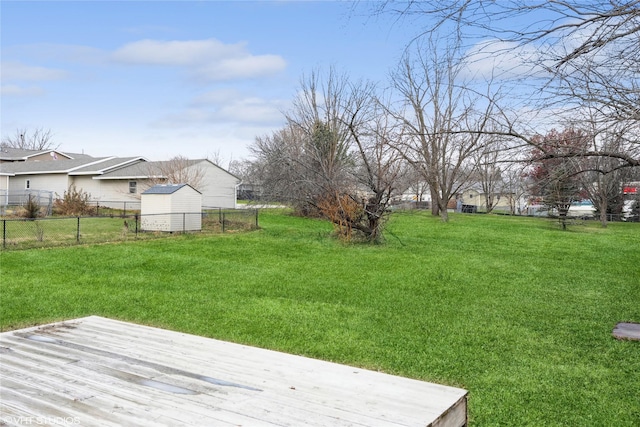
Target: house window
27	184
133	187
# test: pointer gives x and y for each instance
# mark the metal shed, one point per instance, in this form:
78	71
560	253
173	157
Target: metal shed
171	207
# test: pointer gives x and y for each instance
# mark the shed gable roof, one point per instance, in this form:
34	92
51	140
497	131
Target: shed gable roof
167	188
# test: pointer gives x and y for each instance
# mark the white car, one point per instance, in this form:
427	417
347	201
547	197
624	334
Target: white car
627	210
583	209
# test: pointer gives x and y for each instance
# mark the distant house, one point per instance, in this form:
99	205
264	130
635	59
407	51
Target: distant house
109	180
502	201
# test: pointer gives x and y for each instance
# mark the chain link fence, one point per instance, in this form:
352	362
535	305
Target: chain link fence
62	231
13	201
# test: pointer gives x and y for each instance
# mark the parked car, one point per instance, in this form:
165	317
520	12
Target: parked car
583	209
628	211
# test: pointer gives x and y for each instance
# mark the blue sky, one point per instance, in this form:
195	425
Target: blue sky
192	78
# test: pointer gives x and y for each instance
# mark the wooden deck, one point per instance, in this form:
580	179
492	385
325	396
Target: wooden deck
101	372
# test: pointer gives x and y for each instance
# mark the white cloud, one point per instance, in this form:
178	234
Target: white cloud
252	110
177	53
205	59
494	59
185	118
226	107
241	68
17	71
15	90
215	97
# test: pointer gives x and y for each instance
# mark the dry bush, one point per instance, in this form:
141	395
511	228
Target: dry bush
343	211
31	208
73	202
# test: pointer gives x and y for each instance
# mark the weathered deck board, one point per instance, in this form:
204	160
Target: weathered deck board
627	331
106	372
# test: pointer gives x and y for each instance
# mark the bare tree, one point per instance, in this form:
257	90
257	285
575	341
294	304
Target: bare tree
280	168
488	173
444	118
320	112
380	167
218	159
564	31
412	183
177	170
556	179
584	54
38	139
246	171
334	156
515	186
602	177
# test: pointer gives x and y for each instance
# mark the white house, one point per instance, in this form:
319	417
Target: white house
217	186
109	180
502	200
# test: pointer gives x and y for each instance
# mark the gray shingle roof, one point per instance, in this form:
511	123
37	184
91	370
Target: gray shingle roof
93	165
20	154
134	170
164	188
105	165
146	169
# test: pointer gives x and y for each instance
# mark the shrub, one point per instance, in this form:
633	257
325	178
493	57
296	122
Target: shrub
343	212
31	209
73	202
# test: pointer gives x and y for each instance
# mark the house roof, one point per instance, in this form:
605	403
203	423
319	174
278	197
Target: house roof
82	166
166	188
20	155
99	167
138	170
156	169
107	165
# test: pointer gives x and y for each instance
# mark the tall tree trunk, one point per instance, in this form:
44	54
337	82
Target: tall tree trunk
435	201
603	211
444	212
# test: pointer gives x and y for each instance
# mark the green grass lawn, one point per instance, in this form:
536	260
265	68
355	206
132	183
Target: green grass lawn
512	309
45	232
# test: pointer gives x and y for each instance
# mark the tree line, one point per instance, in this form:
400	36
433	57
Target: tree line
558	118
348	147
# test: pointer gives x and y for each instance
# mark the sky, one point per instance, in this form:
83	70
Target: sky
160	79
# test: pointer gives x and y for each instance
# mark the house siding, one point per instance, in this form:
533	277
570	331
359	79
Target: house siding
57	183
118	191
475	198
221	189
4	182
44	157
86	184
